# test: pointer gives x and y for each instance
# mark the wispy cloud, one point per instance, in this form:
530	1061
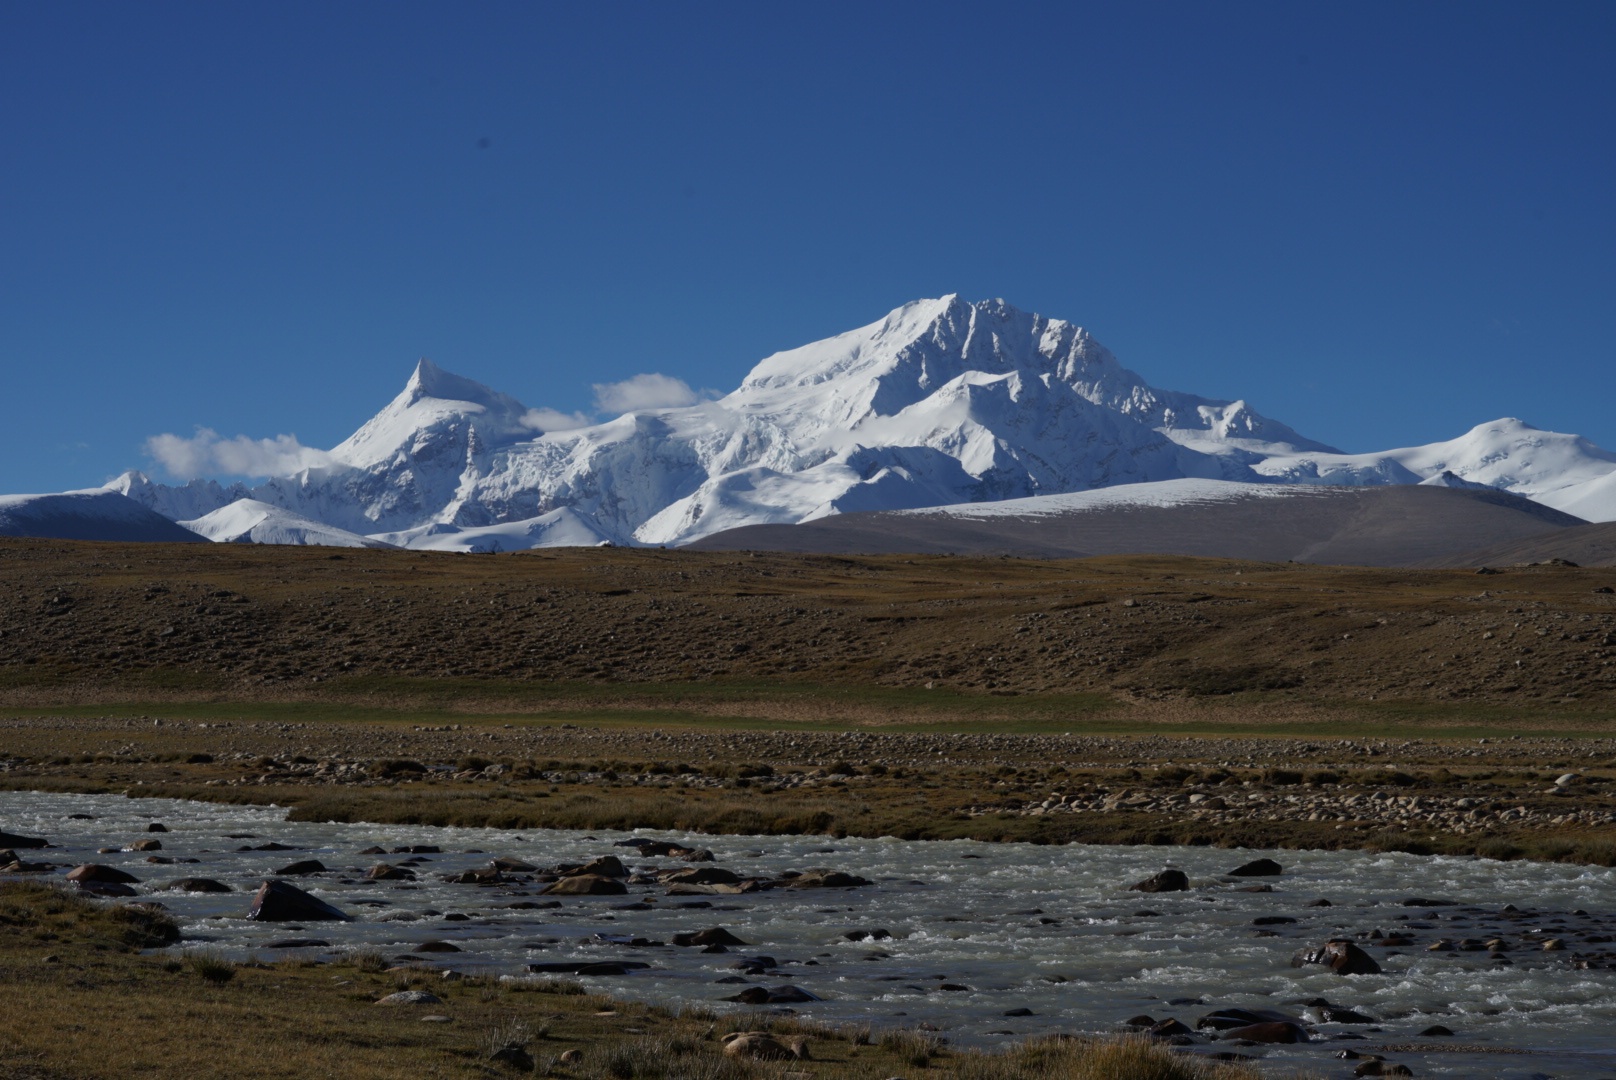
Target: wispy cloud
649	391
208	452
554	420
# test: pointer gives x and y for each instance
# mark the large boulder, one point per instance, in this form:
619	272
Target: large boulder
384	872
96	873
1166	881
281	901
197	884
1341	957
12	840
585	885
1257	868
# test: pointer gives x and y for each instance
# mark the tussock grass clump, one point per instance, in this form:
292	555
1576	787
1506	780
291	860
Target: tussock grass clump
210	966
915	1048
368	959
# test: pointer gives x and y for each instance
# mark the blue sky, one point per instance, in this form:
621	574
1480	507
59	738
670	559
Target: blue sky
1379	223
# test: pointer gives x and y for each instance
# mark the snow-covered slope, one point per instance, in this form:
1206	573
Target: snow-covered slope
1508	454
559	528
940	402
248	521
1163	494
96	514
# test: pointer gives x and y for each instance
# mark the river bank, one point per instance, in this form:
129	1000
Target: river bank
1544	798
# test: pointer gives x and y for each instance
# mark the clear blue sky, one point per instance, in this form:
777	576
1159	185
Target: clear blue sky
1381	223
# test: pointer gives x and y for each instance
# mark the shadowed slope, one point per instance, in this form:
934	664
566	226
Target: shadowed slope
1379	526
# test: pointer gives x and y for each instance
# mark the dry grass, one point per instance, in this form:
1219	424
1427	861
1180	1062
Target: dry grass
791	638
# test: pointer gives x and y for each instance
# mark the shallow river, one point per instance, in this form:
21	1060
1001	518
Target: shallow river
1014	926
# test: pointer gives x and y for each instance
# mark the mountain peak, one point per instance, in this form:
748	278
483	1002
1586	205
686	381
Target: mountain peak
428	380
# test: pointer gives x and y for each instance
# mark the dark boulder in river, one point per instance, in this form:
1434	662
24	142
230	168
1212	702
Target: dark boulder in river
12	840
1166	881
1271	1031
716	935
1227	1019
1257	868
586	885
280	901
305	866
95	872
197	884
1341	957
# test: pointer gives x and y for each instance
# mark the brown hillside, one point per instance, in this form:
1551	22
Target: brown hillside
84	622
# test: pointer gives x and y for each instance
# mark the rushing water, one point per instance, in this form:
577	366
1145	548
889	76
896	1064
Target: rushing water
1016	926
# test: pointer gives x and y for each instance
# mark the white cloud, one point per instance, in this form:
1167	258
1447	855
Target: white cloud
208	452
650	391
554	420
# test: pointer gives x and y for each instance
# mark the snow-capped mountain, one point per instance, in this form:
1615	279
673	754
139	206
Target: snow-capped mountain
940	402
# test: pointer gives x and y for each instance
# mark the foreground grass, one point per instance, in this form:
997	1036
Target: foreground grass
81	1001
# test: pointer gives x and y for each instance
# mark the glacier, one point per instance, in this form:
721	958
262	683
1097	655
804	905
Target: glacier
941	402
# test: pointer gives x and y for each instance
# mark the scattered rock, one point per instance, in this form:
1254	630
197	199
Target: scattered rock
826	879
197	884
12	840
146	845
411	997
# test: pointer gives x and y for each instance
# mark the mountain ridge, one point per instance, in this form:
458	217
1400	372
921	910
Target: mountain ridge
940	402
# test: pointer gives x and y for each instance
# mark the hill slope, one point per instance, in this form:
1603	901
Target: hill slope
87	515
1374	526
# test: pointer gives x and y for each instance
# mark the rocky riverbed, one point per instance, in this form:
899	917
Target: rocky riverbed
1453	966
